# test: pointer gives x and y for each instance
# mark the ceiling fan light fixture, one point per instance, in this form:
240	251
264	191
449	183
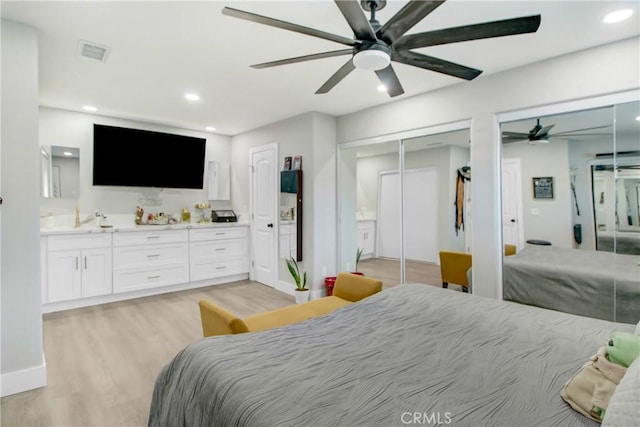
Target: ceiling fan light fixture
371	60
539	141
382	88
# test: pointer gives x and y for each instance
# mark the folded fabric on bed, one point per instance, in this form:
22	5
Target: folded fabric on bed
411	349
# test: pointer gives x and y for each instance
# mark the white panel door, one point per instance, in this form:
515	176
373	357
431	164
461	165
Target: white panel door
388	235
264	202
421	214
64	275
512	227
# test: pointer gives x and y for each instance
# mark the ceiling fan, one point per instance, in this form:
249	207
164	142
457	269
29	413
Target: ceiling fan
374	46
540	134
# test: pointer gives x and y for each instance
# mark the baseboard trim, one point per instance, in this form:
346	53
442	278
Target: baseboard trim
24	380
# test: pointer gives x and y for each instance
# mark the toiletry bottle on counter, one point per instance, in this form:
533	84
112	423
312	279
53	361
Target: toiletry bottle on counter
186	215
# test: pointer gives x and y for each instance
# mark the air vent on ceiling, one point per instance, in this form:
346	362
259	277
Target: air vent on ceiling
94	51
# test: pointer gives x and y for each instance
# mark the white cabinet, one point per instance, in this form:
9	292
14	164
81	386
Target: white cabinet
366	237
78	266
148	259
218	252
288	239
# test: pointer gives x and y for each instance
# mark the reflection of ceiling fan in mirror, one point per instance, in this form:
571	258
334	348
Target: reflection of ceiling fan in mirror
374	45
540	134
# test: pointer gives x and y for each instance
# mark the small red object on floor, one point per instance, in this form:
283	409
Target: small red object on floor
329	282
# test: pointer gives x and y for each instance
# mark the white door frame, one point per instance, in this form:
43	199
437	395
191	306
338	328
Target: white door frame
276	230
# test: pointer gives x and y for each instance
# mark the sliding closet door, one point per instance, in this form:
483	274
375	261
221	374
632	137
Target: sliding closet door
389	215
421	215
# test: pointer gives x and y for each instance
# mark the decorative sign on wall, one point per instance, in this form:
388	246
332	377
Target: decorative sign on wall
543	187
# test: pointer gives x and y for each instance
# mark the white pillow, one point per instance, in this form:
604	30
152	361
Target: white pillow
624	406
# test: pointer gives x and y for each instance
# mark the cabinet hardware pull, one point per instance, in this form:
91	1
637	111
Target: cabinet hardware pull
221	268
153	277
153	255
153	237
220	234
221	249
76	263
85	262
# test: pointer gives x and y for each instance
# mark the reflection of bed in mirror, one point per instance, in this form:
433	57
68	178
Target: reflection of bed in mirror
624	242
575	281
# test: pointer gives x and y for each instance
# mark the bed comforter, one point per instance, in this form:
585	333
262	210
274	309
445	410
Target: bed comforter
410	351
587	283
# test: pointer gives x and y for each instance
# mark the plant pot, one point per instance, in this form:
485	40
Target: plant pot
302	295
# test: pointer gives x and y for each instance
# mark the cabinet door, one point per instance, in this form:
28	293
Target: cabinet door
361	241
64	275
369	239
96	272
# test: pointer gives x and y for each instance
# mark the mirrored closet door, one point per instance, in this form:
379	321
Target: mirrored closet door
567	193
397	206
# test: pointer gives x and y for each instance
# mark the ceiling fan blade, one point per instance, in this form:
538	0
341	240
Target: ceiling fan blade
510	140
544	131
357	20
390	80
582	130
288	26
337	77
435	64
520	135
304	58
555	135
412	13
507	27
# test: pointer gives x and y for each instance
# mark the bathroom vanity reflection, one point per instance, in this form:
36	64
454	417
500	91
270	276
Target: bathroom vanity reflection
59	172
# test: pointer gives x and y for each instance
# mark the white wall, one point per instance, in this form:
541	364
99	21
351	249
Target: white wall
553	220
22	363
311	135
562	79
71	129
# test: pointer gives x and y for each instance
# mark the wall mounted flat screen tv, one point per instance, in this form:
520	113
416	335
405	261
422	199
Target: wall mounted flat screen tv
141	158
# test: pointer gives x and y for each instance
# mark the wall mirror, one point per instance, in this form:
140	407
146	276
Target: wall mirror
290	227
396	205
570	246
60	172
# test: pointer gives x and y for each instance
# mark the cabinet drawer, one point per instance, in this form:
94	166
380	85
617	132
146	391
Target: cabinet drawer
216	250
149	255
218	233
135	279
201	270
149	237
65	242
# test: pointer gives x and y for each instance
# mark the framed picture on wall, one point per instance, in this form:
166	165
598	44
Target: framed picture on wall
543	187
297	162
287	164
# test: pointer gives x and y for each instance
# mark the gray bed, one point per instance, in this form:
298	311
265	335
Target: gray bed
575	281
412	349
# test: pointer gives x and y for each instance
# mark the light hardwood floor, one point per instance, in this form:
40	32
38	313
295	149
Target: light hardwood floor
102	361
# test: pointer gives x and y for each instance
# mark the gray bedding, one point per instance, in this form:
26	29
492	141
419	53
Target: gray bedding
588	283
412	349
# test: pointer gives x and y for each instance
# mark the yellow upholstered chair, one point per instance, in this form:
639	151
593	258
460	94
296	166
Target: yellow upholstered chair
509	250
349	288
454	267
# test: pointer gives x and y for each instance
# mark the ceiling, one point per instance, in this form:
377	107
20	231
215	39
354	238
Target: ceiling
162	50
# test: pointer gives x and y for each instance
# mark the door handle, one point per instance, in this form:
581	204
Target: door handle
270	225
512	220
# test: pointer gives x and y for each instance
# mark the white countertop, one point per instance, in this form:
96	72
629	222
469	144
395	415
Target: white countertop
92	228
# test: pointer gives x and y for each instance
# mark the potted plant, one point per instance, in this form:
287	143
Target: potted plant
302	293
359	252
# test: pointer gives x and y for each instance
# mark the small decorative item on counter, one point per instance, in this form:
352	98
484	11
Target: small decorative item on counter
157	219
206	212
186	215
293	214
139	213
77	223
172	219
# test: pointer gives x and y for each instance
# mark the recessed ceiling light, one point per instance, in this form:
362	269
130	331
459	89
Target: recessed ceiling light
210	128
382	88
618	16
192	97
67	153
638	118
89	108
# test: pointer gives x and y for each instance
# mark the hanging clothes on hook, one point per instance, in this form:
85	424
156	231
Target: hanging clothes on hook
464	174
